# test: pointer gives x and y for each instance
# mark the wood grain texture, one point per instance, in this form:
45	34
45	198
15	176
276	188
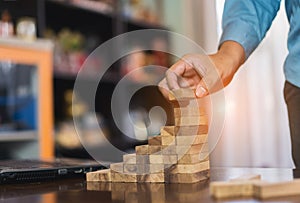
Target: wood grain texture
193	158
155	149
191	140
232	189
99	176
191	121
142	159
182	94
189	168
156	159
170	159
117	167
152	178
129	159
141	149
192	111
123	177
184	130
193	149
130	168
189	177
263	190
161	140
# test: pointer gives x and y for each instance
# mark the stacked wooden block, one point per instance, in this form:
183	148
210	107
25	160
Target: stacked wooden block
178	155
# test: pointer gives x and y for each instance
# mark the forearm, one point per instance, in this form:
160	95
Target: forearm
228	59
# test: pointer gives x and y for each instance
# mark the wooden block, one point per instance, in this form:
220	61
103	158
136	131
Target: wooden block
143	169
156	168
247	177
130	168
182	94
152	178
189	168
142	159
129	159
99	176
189	177
191	140
184	130
156	159
233	189
170	159
161	140
155	149
141	150
193	111
193	149
169	150
265	190
117	167
193	158
191	121
123	177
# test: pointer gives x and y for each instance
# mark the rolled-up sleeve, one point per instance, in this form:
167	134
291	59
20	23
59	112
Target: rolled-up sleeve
247	21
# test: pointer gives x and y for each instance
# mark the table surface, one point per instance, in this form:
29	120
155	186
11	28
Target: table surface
78	190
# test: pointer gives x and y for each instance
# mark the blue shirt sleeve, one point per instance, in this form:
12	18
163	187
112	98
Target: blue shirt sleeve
247	21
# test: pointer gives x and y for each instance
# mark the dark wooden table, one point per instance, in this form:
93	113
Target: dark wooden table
73	191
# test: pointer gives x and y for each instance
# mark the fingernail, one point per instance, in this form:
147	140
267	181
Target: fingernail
201	91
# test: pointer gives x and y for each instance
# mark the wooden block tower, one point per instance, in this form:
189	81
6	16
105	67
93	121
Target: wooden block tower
178	155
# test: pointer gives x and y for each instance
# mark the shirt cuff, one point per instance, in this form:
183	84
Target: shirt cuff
242	33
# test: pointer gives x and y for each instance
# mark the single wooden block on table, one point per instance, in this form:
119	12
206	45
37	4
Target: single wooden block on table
232	189
99	176
141	149
161	140
193	111
184	130
189	177
189	168
129	159
191	121
263	190
191	140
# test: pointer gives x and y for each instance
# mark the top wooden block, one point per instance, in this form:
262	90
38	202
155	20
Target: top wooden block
182	94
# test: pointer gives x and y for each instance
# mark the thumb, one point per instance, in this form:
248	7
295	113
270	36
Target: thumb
201	90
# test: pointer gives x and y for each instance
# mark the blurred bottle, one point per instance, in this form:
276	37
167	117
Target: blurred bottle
26	29
6	26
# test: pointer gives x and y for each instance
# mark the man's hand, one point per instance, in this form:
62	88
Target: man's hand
205	74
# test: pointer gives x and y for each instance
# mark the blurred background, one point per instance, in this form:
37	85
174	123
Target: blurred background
256	130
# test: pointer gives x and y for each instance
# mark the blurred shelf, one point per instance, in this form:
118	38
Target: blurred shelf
18	136
87	5
84	6
109	77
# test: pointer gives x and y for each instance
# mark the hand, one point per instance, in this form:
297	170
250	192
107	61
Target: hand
205	74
